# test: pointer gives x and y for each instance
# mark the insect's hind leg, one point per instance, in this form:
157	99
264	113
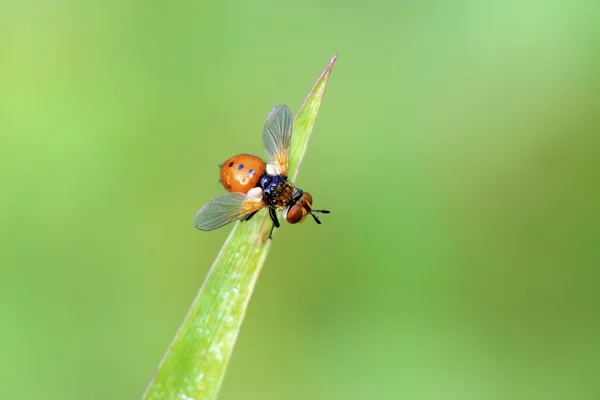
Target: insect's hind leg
247	217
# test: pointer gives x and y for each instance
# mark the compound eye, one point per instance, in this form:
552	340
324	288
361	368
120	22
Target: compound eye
294	214
307	198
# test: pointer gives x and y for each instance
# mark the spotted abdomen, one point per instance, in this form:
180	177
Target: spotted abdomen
242	172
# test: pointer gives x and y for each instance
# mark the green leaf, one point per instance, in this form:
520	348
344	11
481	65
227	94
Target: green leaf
196	361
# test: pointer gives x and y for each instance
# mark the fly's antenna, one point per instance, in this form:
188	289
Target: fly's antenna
317	220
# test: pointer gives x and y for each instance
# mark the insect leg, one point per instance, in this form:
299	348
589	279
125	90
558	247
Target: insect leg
247	217
273	215
296	196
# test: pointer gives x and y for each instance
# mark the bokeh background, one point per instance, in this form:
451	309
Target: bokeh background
457	147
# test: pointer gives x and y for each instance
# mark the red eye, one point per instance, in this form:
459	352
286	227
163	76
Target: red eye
294	214
307	200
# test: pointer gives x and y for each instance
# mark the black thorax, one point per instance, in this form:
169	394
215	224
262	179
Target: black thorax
278	192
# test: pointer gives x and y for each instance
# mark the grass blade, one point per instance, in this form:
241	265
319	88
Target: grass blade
195	363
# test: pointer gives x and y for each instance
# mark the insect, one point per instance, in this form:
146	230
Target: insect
255	185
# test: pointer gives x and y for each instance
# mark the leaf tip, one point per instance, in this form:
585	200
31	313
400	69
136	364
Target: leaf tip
331	62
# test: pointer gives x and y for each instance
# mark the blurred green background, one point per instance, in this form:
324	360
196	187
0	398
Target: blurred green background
457	147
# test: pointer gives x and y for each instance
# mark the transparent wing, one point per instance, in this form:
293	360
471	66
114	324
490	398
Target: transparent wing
224	209
276	137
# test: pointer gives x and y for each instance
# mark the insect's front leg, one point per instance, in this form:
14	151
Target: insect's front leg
273	215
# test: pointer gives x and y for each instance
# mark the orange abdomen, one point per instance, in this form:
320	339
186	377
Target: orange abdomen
242	172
